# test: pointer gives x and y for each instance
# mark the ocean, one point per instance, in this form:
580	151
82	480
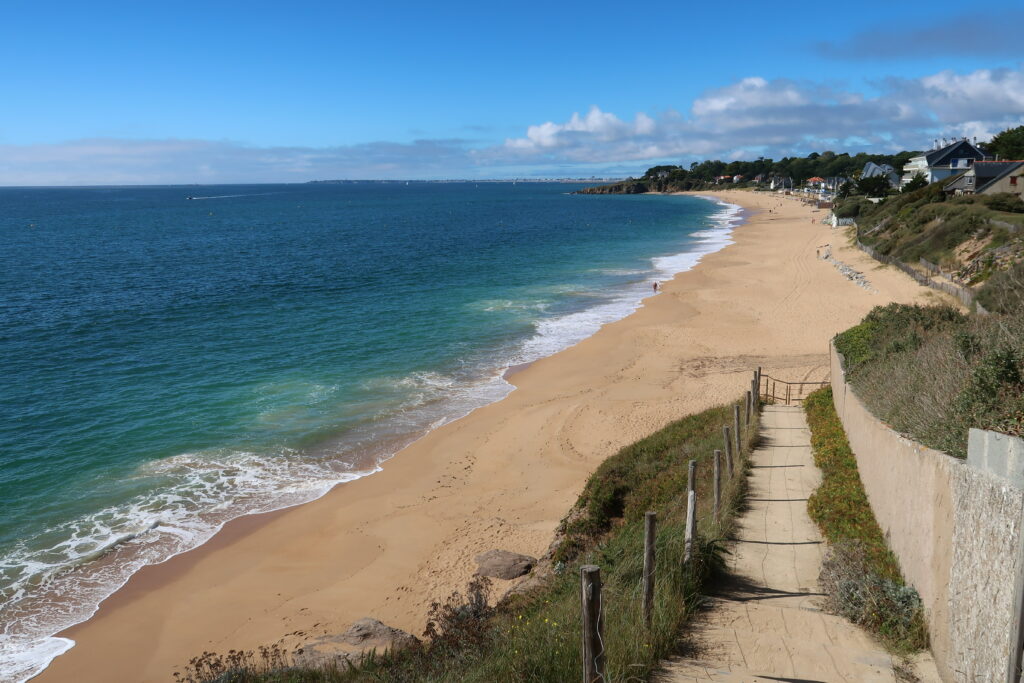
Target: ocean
176	357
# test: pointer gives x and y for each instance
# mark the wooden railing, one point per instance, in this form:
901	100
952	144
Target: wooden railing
785	393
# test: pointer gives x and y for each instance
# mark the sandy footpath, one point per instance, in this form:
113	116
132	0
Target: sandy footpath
502	477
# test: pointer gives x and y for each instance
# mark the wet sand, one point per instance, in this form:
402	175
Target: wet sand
504	476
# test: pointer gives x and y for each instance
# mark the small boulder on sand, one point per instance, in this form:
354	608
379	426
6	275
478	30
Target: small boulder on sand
362	636
368	633
502	564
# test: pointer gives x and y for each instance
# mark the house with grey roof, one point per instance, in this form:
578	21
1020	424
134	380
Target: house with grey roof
988	177
872	170
943	162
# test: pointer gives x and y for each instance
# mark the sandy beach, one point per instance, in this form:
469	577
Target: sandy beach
503	477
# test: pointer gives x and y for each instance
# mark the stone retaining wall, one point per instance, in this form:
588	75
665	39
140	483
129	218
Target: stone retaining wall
954	528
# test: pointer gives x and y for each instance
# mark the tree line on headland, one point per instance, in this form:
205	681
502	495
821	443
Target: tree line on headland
1008	144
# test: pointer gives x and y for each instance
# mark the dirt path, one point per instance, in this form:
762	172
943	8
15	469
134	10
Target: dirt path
765	625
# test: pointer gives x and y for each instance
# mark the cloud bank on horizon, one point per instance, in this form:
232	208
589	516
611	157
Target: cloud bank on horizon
745	119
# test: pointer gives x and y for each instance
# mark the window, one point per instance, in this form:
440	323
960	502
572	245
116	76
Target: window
1013	180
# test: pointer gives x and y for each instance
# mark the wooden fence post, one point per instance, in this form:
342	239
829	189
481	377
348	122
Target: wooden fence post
593	625
691	476
748	409
736	428
718	484
691	525
650	525
728	448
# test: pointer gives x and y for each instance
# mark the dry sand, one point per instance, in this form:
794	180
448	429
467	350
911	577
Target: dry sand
502	477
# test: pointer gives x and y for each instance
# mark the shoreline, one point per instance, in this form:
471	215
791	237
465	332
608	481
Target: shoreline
711	236
264	575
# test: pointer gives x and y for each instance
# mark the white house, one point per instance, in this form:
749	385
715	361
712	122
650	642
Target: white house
943	162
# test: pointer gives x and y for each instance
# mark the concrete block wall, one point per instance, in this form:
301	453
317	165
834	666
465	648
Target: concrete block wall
953	525
997	453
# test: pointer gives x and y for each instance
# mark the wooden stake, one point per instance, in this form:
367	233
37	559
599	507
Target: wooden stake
736	428
718	484
691	476
728	449
650	524
594	670
691	525
748	409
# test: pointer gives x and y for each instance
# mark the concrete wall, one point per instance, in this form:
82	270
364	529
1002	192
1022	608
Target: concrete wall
954	528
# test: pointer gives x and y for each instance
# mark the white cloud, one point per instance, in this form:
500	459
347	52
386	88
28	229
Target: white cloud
754	92
596	124
783	117
750	117
983	101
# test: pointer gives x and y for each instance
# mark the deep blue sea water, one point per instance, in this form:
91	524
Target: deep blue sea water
170	363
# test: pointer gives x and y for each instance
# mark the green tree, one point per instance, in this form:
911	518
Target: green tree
1008	145
845	189
916	183
874	187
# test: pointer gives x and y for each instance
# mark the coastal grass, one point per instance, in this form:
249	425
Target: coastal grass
927	223
860	574
932	372
536	635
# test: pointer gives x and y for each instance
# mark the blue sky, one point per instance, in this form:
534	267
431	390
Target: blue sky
118	92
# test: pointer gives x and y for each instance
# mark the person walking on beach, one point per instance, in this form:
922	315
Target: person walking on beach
655	286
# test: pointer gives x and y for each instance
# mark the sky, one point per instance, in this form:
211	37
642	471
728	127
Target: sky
231	92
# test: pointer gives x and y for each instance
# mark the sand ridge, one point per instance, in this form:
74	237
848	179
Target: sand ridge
503	477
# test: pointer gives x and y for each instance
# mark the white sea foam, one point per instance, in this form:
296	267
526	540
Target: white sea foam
200	492
557	333
56	586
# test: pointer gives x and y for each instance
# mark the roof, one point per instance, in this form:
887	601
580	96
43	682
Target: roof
958	150
871	169
1005	169
959	182
990	169
815	179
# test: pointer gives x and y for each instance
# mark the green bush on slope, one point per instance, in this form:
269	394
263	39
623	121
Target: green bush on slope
933	373
860	574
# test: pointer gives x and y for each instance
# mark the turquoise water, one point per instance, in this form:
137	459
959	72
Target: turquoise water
172	363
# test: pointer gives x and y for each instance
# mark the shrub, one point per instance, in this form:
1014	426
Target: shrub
860	574
1003	292
852	207
933	373
1004	201
892	329
888	608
